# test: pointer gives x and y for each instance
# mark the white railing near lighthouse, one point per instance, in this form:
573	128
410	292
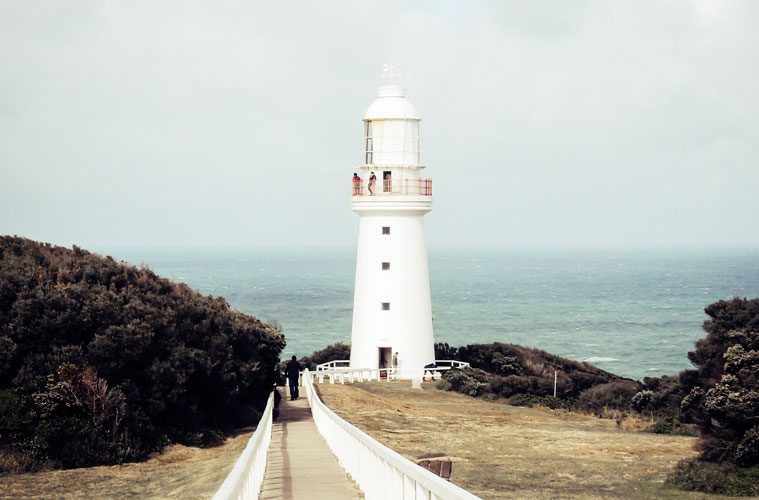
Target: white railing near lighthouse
339	370
334	365
351	375
247	475
380	472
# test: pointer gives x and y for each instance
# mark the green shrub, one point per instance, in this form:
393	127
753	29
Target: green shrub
14	416
533	369
504	370
443	385
747	451
531	400
102	362
520	384
723	391
722	479
612	395
332	352
469	381
662	426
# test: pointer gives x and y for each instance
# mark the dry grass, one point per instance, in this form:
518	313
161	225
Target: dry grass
178	472
501	451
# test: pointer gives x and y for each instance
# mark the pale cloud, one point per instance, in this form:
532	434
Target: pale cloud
544	123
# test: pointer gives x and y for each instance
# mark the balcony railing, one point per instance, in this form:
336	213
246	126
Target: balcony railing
391	187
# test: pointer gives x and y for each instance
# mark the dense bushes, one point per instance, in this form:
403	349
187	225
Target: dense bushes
518	369
469	381
725	403
660	396
101	362
512	371
530	401
330	353
611	395
716	478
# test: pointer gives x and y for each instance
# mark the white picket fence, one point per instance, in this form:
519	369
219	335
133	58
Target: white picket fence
339	370
244	482
380	472
350	375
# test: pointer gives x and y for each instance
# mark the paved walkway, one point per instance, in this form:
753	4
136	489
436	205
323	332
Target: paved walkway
300	464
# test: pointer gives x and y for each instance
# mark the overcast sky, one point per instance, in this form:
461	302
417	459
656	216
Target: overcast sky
545	124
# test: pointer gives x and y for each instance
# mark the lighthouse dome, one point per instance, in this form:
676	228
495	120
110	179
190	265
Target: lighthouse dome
391	104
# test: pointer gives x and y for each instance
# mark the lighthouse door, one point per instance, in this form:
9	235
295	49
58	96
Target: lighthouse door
385	357
387	182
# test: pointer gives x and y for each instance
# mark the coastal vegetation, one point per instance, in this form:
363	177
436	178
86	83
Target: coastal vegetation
526	374
102	362
719	399
723	400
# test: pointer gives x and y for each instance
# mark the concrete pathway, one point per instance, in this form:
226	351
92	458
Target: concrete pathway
300	465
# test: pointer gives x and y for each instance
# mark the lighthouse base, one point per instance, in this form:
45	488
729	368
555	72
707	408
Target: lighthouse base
392	311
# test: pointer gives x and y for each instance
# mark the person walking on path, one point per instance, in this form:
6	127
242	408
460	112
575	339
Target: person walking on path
293	373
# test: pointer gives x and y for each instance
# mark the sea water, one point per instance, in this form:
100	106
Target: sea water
636	314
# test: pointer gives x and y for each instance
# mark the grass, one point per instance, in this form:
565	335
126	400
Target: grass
501	451
178	472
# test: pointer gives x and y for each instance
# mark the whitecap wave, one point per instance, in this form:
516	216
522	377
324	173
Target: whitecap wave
597	359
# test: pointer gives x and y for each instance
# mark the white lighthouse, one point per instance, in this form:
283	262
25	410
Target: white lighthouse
392	311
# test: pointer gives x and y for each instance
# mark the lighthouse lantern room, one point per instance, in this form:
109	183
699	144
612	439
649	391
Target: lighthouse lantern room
392	311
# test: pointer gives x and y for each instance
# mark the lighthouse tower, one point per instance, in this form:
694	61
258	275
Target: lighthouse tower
392	311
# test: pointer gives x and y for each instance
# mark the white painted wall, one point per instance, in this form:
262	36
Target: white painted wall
395	142
407	326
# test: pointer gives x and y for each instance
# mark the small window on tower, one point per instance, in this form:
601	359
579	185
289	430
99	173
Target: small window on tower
385	229
369	143
386	306
385	266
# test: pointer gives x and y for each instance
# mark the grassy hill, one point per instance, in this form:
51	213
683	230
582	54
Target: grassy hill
503	451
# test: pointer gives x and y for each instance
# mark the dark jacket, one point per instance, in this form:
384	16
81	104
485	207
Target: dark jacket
292	370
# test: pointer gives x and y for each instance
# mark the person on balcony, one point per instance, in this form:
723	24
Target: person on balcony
372	183
356	184
293	373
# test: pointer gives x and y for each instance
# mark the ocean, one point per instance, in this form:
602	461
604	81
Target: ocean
636	314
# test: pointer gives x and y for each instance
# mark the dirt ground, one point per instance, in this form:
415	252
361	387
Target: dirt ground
178	472
502	451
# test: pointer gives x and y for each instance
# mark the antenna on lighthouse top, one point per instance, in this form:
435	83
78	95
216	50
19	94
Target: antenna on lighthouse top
391	72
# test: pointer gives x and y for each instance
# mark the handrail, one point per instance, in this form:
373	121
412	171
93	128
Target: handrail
340	370
247	475
449	363
341	374
388	187
379	471
333	364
